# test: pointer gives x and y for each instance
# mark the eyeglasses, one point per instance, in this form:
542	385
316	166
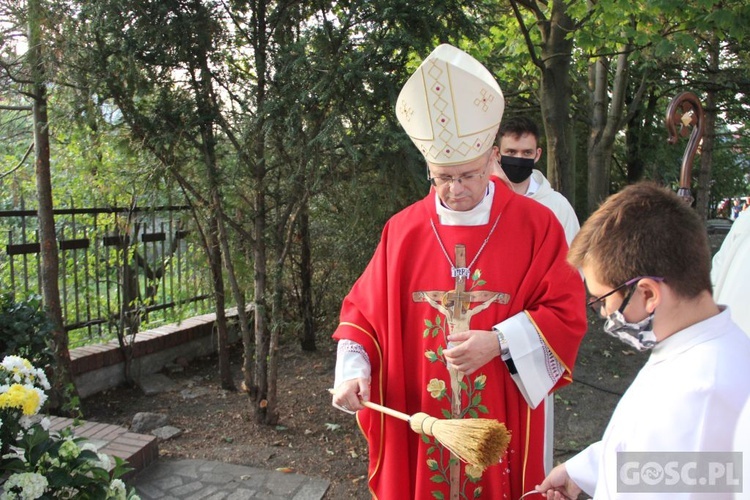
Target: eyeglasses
596	303
443	180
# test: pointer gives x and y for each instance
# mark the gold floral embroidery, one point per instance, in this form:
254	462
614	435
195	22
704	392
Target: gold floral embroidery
436	388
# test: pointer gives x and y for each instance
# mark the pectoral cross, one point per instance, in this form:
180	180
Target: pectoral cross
454	304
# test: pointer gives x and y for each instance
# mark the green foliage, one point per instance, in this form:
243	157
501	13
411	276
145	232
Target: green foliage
25	330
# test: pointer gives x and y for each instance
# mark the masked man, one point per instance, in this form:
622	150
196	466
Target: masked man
518	143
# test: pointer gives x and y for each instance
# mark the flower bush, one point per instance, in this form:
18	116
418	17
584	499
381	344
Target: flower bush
21	397
37	464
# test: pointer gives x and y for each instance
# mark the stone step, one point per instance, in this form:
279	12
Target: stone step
139	450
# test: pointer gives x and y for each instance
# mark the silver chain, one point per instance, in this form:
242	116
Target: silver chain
465	270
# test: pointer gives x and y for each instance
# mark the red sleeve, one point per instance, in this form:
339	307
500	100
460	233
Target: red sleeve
557	297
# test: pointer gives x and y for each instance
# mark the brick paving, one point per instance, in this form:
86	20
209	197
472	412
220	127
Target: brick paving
155	478
139	450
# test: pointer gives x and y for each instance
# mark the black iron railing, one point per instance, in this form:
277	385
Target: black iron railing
121	269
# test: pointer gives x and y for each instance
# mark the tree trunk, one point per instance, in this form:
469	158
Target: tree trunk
222	335
272	411
216	233
63	388
606	124
208	109
557	49
703	194
307	338
598	166
636	140
239	299
262	339
261	330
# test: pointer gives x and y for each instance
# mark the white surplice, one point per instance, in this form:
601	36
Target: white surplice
541	191
687	397
730	272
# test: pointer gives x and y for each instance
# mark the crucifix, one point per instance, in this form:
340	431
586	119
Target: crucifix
454	304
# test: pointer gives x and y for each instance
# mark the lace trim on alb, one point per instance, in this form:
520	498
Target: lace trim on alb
346	345
555	369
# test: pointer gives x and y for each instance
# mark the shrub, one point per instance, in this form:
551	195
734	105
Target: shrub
25	330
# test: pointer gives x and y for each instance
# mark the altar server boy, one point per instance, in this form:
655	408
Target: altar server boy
646	260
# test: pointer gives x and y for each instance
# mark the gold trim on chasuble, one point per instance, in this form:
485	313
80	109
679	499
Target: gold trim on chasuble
526	448
568	372
381	416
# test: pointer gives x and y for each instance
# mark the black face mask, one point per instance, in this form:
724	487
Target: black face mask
516	169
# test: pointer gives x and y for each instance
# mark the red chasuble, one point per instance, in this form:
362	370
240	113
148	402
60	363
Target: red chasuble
404	339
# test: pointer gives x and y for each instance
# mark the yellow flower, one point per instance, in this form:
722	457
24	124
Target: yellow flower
436	388
22	397
474	471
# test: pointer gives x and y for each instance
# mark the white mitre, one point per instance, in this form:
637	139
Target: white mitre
451	107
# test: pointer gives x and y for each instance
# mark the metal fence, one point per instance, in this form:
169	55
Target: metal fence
121	269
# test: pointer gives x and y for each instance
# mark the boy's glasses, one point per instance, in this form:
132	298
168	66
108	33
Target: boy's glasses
596	303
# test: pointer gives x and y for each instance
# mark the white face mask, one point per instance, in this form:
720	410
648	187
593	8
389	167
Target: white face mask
637	335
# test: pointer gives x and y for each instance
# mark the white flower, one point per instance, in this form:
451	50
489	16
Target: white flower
104	461
89	446
45	423
69	450
32	486
13	454
117	490
21	370
42	396
26	422
12	363
43	379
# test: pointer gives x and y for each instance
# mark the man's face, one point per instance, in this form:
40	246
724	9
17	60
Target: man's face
523	146
462	187
519	146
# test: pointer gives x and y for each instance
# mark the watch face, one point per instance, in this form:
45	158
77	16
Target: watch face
503	343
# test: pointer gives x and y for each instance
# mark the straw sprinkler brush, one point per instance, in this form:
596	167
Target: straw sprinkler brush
477	441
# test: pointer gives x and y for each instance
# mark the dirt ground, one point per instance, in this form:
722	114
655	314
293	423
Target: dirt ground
315	439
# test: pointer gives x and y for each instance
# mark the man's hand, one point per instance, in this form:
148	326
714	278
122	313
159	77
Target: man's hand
348	394
472	350
558	485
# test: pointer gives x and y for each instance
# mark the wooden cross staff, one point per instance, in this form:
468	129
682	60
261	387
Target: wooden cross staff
686	109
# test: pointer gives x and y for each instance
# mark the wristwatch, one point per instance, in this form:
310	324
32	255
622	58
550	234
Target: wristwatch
503	343
505	351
